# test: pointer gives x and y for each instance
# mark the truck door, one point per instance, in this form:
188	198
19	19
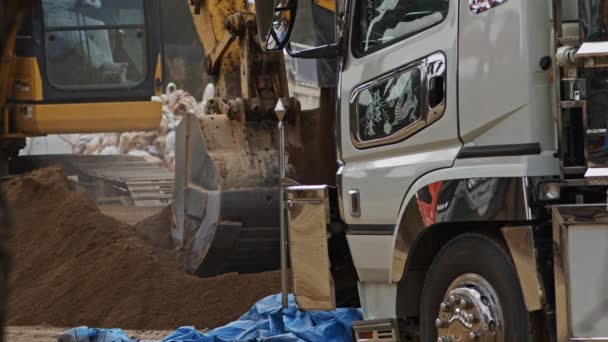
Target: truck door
398	103
504	79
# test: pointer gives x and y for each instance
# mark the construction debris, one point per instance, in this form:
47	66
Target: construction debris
75	266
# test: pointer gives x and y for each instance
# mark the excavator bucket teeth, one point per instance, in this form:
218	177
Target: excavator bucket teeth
223	223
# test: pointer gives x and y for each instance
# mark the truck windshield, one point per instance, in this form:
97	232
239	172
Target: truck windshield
95	43
383	22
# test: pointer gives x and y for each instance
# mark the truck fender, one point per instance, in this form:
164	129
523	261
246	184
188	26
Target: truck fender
441	210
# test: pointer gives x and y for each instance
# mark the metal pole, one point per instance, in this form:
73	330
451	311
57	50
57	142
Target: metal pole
280	111
284	277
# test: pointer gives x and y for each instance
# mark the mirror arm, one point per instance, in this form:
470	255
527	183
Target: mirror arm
328	51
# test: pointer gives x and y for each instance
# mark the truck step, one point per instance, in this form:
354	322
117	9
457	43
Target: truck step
381	330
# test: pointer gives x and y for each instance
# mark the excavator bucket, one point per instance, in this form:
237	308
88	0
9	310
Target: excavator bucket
226	200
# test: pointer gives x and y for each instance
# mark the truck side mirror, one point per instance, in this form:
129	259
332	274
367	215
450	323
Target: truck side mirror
275	23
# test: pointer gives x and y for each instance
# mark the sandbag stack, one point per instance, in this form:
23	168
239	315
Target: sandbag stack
157	146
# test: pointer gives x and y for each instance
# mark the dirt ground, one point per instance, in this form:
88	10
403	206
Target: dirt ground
73	265
47	334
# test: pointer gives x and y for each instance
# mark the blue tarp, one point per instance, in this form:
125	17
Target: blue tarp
266	321
84	334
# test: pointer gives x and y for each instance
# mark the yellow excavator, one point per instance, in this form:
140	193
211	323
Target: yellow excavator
80	66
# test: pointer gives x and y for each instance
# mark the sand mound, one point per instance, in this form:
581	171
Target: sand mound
156	229
75	266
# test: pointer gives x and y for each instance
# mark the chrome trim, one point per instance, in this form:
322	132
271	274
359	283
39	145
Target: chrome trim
280	112
457	200
520	241
429	67
339	178
338	113
355	203
338	133
465	315
340	32
563	217
525	183
472	200
339	69
560	273
309	215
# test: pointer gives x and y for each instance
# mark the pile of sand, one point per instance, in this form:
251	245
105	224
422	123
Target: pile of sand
156	229
75	266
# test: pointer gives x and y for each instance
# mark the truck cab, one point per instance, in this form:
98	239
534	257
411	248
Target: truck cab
465	131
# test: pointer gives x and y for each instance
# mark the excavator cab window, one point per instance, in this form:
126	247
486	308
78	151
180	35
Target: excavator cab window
90	51
95	43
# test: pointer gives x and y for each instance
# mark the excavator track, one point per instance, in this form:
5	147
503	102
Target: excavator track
110	179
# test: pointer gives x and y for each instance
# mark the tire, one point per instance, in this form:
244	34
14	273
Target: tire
468	260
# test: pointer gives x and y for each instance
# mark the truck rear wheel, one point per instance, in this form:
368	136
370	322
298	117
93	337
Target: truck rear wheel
472	293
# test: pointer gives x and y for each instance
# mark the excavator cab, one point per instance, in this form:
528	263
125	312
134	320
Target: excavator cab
85	66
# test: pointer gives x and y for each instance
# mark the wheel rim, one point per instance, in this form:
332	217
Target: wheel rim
470	311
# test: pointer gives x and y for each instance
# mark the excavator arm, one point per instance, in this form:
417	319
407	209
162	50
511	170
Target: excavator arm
227	32
226	201
226	198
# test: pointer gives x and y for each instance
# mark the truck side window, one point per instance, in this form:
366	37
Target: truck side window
98	43
383	22
389	106
479	6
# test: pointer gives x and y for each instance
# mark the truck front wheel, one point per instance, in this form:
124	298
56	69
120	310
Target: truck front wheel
472	293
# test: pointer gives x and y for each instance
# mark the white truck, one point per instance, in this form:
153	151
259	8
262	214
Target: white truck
470	196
